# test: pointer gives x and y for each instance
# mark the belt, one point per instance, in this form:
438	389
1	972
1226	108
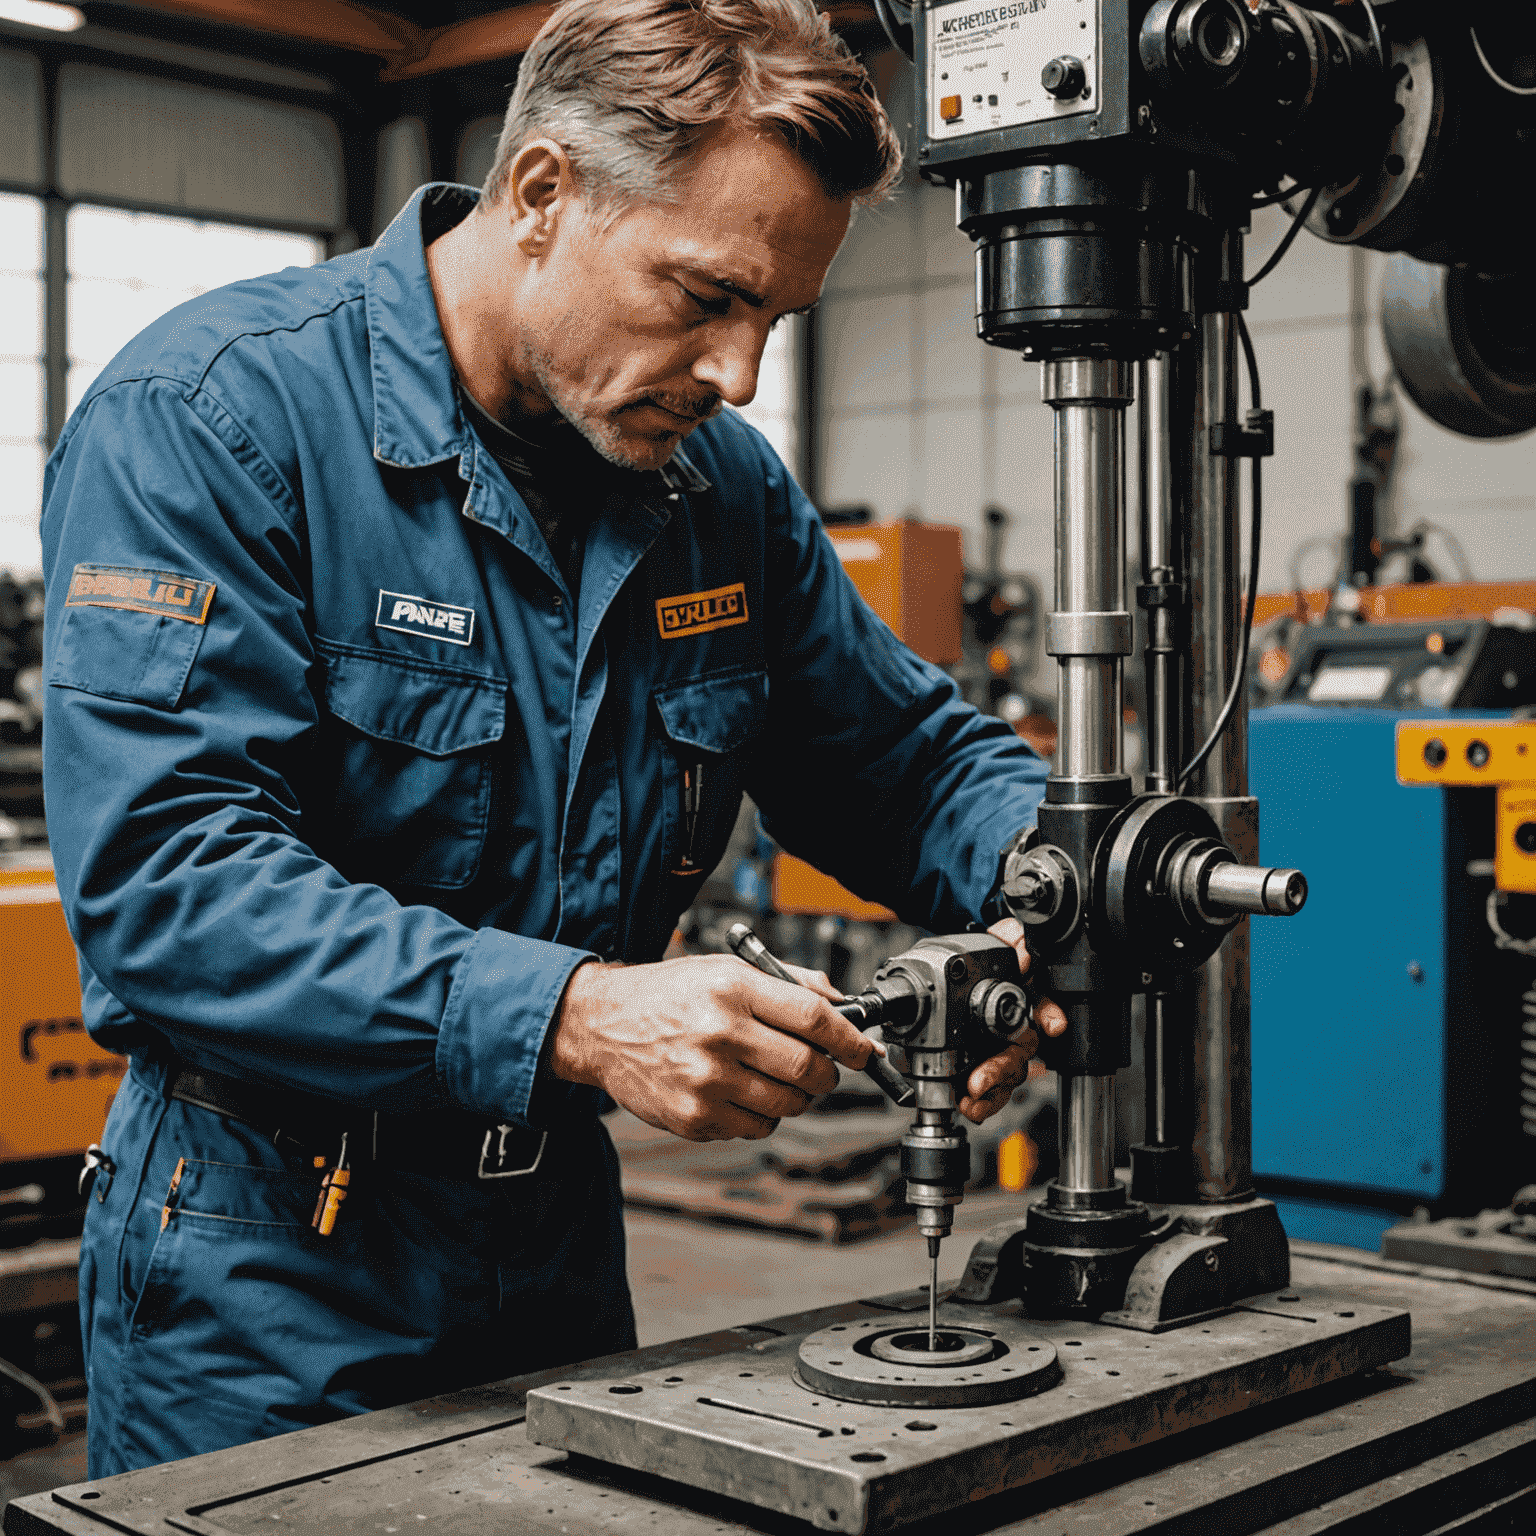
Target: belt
449	1143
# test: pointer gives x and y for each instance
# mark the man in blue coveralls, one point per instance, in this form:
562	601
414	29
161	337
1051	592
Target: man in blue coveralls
405	678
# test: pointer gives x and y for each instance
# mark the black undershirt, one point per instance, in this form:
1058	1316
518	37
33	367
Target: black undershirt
562	478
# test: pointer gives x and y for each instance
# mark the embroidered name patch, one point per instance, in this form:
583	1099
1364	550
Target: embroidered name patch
128	586
695	613
420	616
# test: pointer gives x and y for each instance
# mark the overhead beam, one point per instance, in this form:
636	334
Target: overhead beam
407	50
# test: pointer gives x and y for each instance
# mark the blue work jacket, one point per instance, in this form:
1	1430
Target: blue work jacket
341	783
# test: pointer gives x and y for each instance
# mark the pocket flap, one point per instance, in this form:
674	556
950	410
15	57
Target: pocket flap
718	713
435	710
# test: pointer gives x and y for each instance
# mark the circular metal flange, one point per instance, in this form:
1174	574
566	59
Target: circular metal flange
889	1364
1133	908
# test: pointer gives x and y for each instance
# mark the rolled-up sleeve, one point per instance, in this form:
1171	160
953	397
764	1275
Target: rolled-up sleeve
176	748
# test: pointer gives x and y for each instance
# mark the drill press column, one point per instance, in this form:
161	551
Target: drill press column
1090	634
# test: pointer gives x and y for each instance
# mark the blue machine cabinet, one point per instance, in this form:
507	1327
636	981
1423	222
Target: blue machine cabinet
1386	1022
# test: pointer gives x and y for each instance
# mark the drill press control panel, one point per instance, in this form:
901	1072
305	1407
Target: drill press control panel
994	66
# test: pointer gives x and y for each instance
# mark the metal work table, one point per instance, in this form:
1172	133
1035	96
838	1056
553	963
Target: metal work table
1446	1437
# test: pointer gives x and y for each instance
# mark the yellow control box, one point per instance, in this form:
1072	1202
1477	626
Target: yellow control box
1497	754
56	1083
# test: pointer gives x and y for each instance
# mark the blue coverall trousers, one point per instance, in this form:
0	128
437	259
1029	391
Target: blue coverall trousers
231	1319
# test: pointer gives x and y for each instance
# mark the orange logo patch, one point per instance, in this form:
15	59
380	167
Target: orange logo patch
125	586
695	613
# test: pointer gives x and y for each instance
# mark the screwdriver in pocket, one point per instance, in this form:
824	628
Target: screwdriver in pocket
752	949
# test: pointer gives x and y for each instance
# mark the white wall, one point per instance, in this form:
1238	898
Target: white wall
918	416
1484	493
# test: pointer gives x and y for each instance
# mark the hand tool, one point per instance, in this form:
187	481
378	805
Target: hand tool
752	949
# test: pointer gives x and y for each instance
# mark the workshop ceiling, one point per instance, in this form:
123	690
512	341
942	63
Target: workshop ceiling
411	38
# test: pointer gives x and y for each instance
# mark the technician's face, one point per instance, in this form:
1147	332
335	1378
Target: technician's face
640	330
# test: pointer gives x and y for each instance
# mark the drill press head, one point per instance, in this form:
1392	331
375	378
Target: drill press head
944	1005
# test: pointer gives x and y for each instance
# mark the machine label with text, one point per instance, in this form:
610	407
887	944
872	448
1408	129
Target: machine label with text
985	63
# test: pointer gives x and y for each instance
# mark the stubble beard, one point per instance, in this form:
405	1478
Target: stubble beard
602	431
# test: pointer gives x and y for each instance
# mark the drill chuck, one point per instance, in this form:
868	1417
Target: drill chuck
936	1164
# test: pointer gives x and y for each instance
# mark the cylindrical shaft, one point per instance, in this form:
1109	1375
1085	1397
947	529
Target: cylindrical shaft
1090	635
1087	1134
1157	1066
1089	396
1160	565
1221	1133
1215	569
1244	888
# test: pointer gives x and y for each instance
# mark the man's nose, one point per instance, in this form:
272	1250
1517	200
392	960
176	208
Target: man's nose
729	367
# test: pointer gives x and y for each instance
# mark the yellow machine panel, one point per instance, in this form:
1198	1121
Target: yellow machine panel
911	575
1477	753
56	1083
802	889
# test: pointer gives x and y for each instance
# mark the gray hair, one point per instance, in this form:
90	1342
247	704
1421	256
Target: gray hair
628	87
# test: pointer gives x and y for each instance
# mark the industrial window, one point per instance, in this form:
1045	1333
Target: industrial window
123	270
127	269
23	420
776	409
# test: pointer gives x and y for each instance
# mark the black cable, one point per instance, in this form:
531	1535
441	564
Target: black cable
1290	237
1279	197
1255	532
1376	38
895	27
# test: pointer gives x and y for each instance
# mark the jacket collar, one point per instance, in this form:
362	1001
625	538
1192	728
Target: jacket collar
416	416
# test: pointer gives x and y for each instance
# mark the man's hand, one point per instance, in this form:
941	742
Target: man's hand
705	1047
992	1084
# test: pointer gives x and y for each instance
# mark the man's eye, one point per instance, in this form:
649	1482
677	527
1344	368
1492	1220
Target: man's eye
721	306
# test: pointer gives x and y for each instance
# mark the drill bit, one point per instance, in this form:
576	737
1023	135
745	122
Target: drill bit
933	1293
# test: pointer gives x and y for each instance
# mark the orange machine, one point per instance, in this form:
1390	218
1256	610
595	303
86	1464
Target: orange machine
911	575
56	1084
1403	603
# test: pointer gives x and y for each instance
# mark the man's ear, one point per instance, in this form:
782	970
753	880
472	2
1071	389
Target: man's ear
541	187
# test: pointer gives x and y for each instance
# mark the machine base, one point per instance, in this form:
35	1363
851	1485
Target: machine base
743	1426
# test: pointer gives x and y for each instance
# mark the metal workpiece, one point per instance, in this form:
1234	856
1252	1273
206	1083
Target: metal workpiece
1087	1134
976	1363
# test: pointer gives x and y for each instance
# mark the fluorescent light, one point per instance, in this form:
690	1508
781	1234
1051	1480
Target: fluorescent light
40	13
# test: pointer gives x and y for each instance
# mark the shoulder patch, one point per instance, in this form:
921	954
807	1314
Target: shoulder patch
421	616
695	613
145	591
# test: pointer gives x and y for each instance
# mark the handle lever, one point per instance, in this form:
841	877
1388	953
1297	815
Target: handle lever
750	948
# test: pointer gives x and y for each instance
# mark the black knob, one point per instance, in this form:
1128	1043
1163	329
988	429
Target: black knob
1434	752
1478	754
1064	78
1525	837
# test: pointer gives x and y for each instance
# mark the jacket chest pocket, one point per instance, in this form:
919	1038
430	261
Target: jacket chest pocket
413	766
710	724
